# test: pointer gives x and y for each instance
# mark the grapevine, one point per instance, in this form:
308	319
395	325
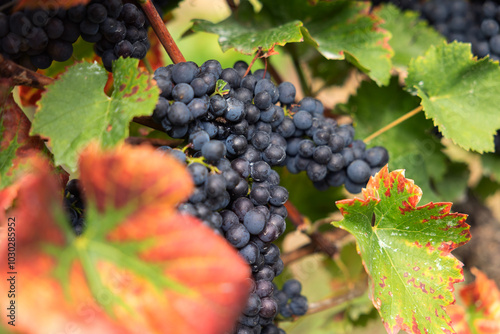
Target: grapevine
299	183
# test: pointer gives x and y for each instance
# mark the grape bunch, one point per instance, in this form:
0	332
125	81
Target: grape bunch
237	126
74	205
34	38
240	116
117	29
290	301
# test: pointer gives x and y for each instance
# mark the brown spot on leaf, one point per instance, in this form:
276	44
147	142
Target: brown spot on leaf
134	91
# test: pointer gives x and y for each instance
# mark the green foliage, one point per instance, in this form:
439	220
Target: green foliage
248	39
405	249
417	36
75	110
338	30
410	144
460	93
491	165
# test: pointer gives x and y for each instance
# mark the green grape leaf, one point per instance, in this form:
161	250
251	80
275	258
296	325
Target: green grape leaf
75	110
411	36
345	30
406	252
247	39
460	93
337	29
374	107
411	144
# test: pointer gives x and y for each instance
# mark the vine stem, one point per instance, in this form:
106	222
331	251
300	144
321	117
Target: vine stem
298	253
232	5
329	303
162	32
317	238
20	75
155	142
394	123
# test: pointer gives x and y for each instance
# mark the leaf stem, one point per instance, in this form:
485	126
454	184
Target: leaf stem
20	75
273	72
148	66
393	124
162	32
257	55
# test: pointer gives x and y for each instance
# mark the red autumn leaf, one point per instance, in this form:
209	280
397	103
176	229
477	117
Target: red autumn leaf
481	314
458	318
16	126
15	144
29	95
138	264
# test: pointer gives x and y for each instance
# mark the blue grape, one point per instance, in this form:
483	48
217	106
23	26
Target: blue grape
254	221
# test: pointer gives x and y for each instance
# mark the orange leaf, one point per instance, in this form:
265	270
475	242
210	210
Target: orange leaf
458	319
481	313
138	264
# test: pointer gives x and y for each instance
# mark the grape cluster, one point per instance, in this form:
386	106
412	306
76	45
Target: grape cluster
237	126
74	205
290	301
117	29
35	38
239	118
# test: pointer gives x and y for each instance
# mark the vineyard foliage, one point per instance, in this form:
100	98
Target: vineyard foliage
140	263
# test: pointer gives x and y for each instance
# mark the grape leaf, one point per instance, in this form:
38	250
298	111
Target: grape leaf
345	30
15	142
406	252
411	36
248	39
75	110
48	4
411	144
138	263
337	29
459	92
